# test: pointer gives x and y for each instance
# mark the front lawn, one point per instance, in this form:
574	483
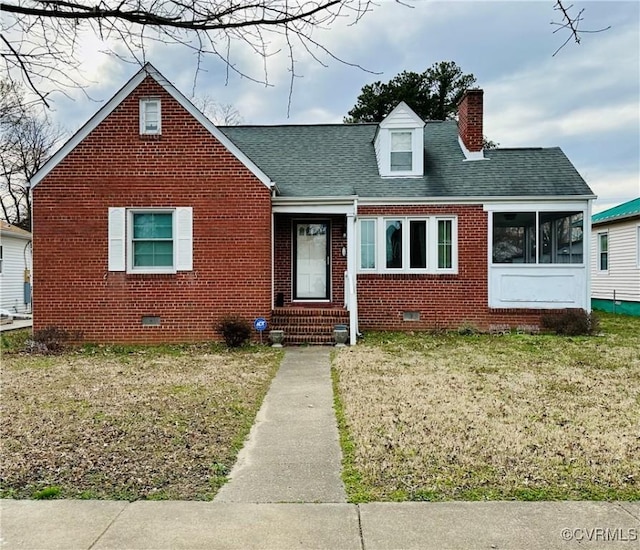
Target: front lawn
127	423
444	417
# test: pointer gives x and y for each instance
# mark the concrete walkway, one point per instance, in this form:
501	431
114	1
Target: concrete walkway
290	461
171	525
293	451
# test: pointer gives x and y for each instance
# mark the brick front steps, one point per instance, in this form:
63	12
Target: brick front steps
308	325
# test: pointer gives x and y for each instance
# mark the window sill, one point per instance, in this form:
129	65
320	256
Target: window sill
152	272
536	266
410	273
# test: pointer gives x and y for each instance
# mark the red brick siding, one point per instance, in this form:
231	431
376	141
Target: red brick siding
284	253
444	301
470	113
115	166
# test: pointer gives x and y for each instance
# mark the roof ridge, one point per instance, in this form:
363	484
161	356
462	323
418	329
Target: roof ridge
300	125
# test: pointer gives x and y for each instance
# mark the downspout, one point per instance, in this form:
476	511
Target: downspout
587	246
351	270
273	246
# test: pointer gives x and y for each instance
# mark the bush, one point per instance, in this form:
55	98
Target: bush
468	329
572	322
51	340
235	330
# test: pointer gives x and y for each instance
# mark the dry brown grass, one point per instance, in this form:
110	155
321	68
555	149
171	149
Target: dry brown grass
472	417
127	424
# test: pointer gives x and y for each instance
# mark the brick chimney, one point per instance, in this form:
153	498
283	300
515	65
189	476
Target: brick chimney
470	119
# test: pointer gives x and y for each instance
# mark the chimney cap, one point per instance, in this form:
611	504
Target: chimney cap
471	91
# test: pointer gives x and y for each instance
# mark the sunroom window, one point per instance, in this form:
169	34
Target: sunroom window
537	237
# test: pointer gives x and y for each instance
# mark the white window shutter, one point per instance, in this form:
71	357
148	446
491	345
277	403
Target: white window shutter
184	238
117	239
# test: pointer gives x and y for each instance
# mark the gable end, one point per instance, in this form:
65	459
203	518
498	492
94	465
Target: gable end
147	71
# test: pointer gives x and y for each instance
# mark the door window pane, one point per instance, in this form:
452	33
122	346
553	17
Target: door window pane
393	237
418	244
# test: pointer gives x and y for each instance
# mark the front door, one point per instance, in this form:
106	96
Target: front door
311	261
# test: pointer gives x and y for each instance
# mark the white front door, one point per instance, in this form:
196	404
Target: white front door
311	263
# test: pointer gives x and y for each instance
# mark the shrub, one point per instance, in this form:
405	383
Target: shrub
51	340
235	330
468	329
572	322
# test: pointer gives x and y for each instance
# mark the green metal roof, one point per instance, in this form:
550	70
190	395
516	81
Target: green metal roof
625	210
339	160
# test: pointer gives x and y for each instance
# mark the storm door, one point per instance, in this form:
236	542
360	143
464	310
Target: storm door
311	263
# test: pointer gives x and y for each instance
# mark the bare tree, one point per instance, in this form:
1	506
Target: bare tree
221	114
40	39
571	22
27	139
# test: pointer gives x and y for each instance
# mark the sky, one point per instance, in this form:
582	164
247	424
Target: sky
585	99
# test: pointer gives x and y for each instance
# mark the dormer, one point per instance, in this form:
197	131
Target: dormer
399	144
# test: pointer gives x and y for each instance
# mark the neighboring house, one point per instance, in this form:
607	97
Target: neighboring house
616	259
151	223
15	269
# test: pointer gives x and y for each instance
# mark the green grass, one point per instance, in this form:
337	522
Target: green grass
480	417
351	477
127	422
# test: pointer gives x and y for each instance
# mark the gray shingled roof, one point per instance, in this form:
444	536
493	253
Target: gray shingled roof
339	160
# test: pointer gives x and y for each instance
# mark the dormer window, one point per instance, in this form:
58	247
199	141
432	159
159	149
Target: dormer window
401	152
399	144
150	117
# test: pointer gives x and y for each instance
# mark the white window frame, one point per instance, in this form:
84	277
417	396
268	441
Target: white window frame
150	269
599	249
411	148
144	105
431	239
375	247
120	239
536	210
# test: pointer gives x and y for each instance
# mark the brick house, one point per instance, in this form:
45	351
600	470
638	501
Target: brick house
151	223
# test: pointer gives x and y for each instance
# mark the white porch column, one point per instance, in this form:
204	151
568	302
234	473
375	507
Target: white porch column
351	278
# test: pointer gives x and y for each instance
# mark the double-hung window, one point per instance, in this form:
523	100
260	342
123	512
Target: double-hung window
151	240
407	245
150	116
401	152
603	251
